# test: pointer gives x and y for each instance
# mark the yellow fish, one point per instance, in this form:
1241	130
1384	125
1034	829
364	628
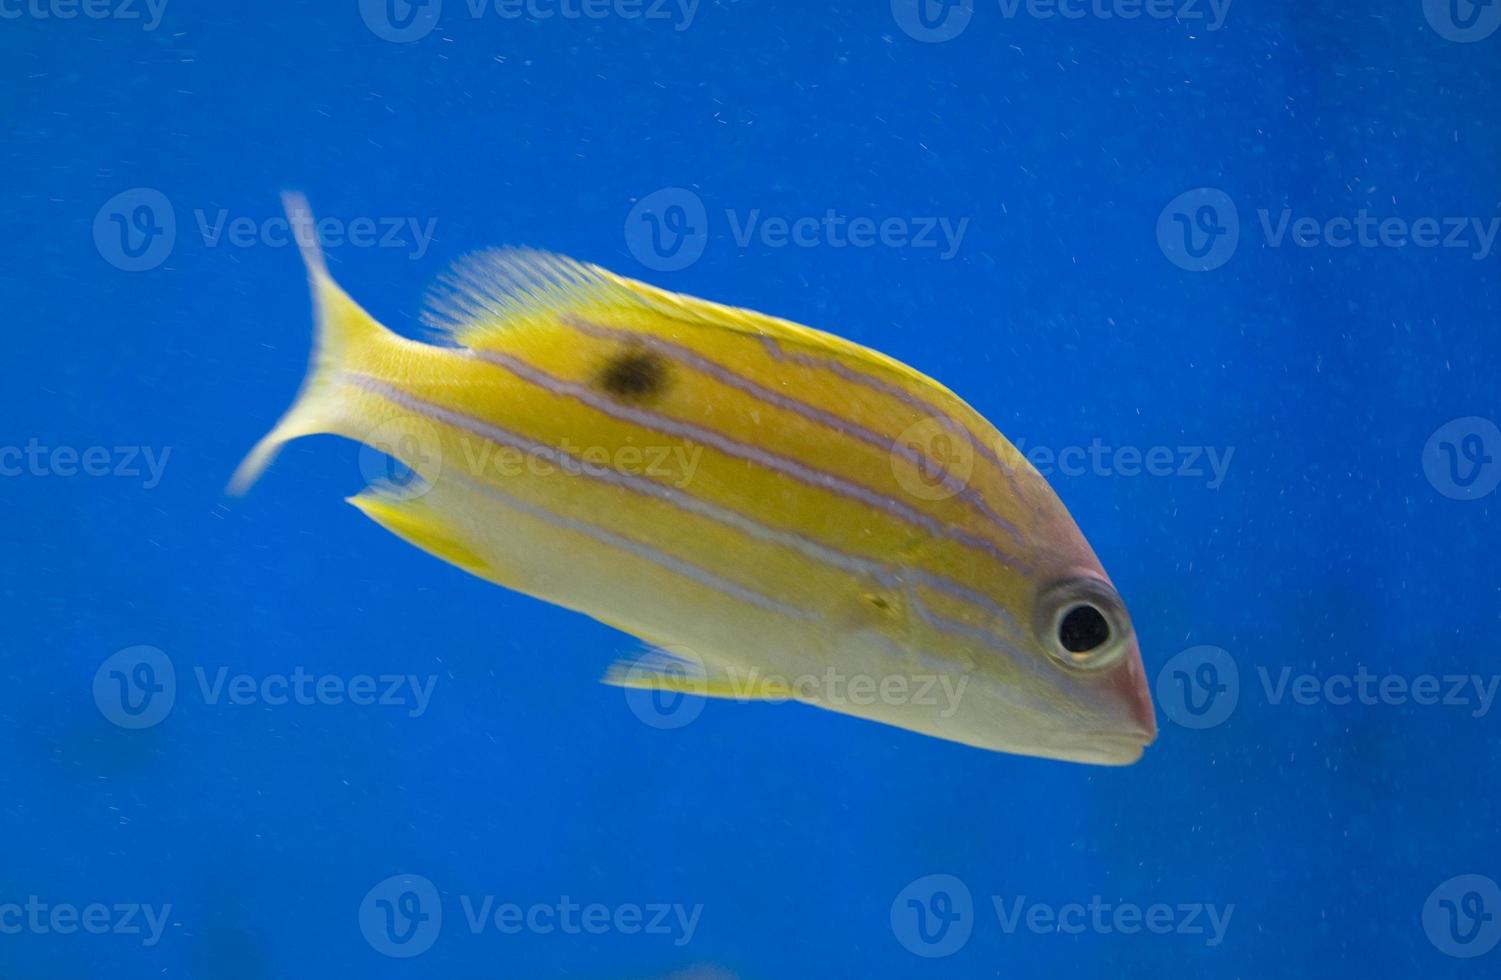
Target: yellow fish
789	515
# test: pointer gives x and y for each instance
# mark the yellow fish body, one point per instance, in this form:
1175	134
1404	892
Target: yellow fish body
787	513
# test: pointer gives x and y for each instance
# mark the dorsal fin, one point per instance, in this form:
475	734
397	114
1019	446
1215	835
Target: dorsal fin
487	294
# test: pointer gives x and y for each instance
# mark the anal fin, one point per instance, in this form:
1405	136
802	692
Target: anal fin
407	515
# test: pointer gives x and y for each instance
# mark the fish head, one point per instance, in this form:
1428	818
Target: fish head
1071	684
1091	700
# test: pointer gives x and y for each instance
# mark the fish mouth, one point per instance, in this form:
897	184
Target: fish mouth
1111	748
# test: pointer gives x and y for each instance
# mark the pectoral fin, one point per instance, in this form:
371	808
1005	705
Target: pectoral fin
683	672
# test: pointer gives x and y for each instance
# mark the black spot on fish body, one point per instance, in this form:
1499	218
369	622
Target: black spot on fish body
634	375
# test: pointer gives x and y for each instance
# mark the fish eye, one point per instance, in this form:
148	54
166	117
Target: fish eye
1082	629
1082	624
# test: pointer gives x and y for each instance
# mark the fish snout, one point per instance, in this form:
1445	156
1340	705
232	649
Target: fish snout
1132	695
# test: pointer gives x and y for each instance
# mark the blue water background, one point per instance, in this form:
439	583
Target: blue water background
1326	547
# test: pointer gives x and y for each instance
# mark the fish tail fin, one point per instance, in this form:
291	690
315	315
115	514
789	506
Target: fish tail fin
343	333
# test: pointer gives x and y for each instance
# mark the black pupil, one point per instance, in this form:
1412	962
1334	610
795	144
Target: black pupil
1083	629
